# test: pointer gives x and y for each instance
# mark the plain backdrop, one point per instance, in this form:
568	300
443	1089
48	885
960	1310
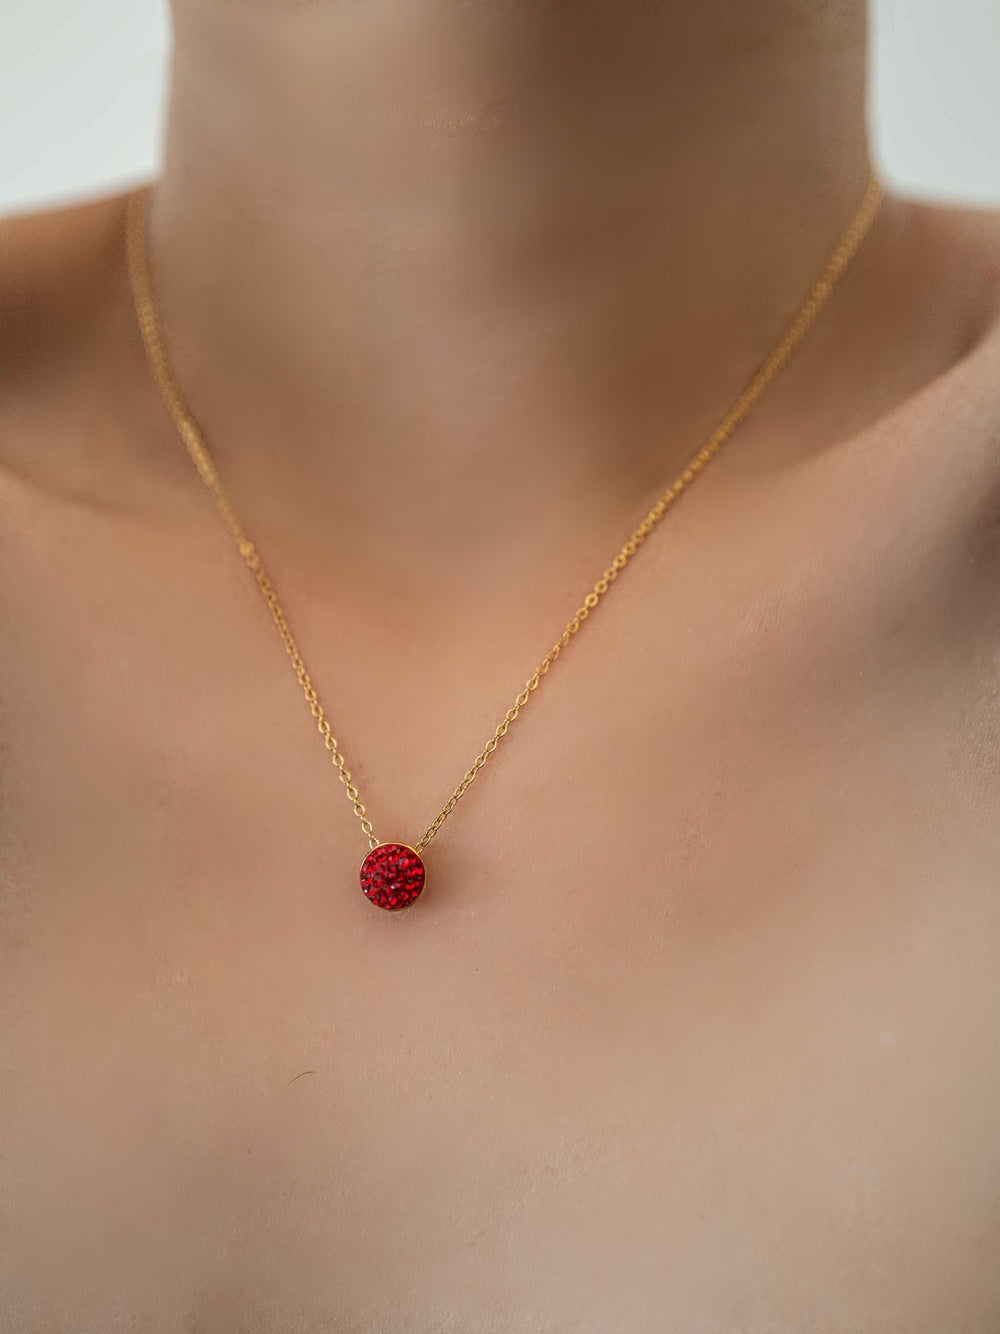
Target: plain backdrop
82	87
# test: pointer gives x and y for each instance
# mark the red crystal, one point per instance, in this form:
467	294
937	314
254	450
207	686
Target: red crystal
392	876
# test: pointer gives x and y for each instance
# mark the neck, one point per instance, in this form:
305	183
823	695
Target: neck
431	241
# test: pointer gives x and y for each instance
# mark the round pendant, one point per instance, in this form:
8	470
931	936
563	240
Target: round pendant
392	876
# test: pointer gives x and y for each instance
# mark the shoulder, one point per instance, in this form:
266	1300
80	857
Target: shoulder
968	241
967	244
944	443
949	429
79	502
78	427
939	268
55	268
61	311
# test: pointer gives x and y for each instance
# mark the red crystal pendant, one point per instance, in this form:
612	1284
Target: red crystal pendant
392	876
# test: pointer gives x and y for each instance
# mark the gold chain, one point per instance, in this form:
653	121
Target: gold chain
153	340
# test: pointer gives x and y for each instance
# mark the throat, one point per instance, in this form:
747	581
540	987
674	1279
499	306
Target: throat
452	244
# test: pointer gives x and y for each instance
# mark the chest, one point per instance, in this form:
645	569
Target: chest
694	1026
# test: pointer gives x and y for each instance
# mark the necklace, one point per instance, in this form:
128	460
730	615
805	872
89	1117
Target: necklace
392	874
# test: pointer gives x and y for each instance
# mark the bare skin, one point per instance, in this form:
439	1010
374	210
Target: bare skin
696	1028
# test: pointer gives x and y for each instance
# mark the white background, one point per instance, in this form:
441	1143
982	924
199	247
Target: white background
82	88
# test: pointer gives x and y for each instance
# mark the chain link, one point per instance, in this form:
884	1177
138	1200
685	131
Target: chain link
166	382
